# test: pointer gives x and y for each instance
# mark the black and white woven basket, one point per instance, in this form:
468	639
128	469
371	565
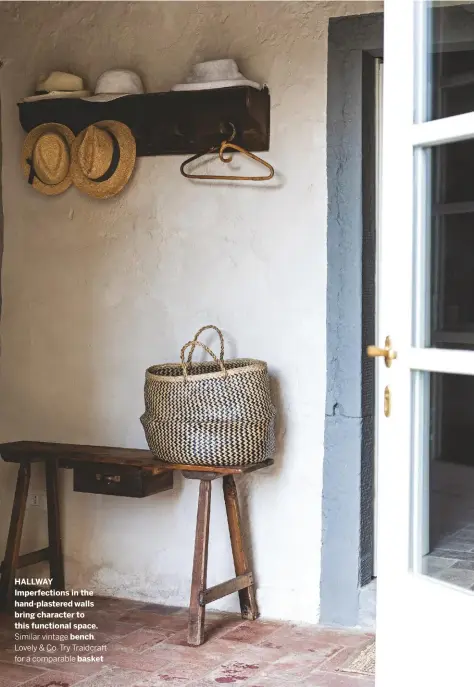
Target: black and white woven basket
216	413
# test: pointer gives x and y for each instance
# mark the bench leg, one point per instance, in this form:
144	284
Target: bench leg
248	600
56	561
12	552
196	609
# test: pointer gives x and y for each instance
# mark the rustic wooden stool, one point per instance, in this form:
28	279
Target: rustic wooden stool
243	582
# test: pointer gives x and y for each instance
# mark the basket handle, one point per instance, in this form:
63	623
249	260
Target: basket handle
197	335
193	343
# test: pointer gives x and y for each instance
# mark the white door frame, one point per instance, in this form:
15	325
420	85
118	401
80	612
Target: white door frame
423	625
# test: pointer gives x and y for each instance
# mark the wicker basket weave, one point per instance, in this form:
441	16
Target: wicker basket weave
217	413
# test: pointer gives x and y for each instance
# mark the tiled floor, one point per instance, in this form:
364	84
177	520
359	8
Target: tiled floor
146	647
452	559
452	525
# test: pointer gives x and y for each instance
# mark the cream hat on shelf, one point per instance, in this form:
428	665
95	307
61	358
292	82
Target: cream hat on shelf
116	83
214	74
45	158
103	159
59	85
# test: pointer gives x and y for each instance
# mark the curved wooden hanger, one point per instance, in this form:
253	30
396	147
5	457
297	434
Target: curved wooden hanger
225	145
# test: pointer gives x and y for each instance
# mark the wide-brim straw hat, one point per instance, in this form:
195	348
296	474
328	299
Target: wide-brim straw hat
59	85
45	158
103	159
56	95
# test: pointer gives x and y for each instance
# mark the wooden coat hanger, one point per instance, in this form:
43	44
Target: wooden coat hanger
226	145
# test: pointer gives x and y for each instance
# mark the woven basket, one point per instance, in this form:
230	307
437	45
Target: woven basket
216	413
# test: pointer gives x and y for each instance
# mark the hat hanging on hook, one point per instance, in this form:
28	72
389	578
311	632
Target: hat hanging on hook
45	158
103	159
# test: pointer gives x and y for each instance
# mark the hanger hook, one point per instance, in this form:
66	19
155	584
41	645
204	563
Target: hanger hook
222	157
233	134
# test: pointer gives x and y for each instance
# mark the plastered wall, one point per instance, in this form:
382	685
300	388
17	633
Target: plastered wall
95	291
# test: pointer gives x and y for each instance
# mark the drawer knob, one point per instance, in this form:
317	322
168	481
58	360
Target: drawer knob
110	479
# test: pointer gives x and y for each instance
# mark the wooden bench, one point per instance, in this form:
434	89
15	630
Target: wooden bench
126	472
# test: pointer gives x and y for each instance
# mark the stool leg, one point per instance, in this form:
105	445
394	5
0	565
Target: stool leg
198	585
248	600
12	552
56	561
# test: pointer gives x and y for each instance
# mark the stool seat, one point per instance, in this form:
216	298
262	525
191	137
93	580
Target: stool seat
218	471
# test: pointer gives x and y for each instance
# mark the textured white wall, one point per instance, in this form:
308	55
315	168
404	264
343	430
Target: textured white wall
95	291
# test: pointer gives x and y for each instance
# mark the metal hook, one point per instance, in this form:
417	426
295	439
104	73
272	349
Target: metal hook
222	157
233	134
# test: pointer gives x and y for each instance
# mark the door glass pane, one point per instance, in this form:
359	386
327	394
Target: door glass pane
448	547
443	404
444	177
450	65
452	245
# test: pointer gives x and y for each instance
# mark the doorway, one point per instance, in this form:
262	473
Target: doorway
349	523
347	556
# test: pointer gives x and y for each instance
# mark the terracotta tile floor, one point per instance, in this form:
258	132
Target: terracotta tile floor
146	647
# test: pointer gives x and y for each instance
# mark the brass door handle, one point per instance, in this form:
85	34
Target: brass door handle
387	353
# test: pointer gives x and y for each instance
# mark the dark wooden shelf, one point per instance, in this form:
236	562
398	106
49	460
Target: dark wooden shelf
171	123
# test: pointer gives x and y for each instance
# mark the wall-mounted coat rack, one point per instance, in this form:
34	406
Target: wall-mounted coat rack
171	123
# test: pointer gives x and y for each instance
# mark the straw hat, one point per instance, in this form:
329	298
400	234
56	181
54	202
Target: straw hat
103	158
45	158
58	85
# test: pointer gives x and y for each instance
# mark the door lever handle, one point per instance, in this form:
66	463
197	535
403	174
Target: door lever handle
387	353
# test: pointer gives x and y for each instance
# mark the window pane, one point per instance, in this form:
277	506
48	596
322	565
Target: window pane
450	59
452	244
448	554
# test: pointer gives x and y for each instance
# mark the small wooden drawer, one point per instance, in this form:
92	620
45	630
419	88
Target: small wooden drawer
121	480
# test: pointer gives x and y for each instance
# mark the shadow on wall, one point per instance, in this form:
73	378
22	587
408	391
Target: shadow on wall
246	483
8	472
1	213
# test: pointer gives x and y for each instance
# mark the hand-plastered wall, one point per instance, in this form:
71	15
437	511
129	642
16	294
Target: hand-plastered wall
95	291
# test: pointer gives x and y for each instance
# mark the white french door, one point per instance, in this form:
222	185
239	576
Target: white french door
425	605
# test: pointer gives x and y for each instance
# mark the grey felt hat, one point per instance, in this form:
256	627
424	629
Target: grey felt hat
214	74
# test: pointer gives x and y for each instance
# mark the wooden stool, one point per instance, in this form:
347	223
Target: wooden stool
243	582
53	553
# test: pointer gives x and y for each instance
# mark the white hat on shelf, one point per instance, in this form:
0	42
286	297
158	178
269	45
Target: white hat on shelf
116	83
214	74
